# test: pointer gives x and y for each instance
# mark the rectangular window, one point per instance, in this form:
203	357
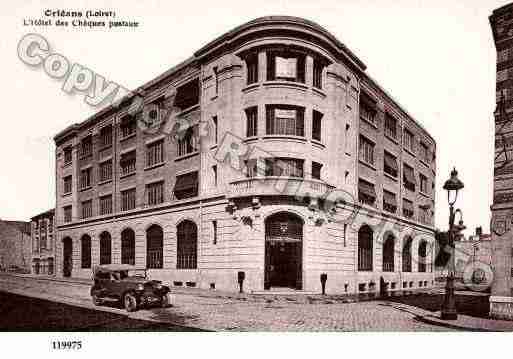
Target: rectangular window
128	126
389	202
284	167
366	151
128	199
408	141
86	147
317	125
252	67
106	205
186	185
214	173
367	111
408	208
390	166
155	153
286	65
127	163
285	120
67	214
424	153
214	229
423	214
68	155
317	74
106	136
316	170
85	178
366	193
390	126
252	121
155	193
188	94
188	143
408	178
87	209
216	130
67	184
423	183
105	171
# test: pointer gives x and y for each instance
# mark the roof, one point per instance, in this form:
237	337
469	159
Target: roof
50	212
264	20
23	227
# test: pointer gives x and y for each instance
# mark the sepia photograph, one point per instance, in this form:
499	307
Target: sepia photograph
281	166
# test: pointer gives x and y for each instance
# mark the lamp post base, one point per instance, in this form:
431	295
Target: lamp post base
449	311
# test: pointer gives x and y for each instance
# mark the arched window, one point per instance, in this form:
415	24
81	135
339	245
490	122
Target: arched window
187	238
422	256
365	235
407	255
388	254
85	251
105	248
128	246
154	247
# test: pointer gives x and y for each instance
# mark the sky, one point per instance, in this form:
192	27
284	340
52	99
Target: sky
436	58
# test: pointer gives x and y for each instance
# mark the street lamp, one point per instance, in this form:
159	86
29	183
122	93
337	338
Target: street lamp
452	186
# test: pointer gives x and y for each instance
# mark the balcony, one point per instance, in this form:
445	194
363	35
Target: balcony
279	186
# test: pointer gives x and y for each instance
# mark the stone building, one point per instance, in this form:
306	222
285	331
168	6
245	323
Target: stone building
269	152
501	301
15	246
474	259
43	244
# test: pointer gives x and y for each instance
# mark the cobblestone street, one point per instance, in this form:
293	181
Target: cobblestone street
232	312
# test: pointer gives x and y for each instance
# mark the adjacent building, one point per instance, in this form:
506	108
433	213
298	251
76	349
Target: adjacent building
269	152
474	258
43	244
15	246
501	300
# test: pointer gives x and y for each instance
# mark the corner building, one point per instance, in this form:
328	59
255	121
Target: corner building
308	122
501	299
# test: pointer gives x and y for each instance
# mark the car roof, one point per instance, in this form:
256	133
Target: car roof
115	268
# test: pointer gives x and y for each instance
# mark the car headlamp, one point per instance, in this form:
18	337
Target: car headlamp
140	287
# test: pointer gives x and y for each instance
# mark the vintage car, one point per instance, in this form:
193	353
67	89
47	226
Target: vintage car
127	285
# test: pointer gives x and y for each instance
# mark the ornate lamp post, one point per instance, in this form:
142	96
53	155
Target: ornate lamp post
452	186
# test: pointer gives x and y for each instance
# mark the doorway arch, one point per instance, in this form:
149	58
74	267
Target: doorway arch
283	251
67	257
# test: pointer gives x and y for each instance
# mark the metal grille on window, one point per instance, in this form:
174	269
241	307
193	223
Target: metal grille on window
365	239
187	234
155	193
106	171
285	121
128	200
154	247
155	153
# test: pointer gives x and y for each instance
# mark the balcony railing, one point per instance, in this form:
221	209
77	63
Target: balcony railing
279	186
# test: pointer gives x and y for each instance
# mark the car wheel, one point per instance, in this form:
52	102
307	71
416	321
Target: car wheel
96	300
164	301
130	302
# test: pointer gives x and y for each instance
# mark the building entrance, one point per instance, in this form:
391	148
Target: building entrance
283	251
